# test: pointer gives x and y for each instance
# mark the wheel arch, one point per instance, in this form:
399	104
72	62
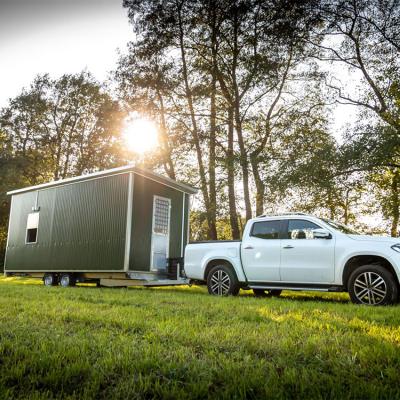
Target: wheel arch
218	261
363	259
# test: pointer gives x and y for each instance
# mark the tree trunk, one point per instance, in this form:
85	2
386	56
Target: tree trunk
195	133
331	206
238	123
168	163
395	203
213	127
244	163
346	207
230	163
260	187
240	224
211	164
57	160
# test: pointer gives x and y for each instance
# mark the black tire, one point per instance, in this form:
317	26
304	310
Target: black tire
372	285
222	281
266	292
50	280
67	280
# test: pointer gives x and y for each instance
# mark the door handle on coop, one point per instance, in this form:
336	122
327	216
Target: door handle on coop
288	247
248	248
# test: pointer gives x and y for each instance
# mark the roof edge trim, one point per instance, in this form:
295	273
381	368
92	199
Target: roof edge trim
109	172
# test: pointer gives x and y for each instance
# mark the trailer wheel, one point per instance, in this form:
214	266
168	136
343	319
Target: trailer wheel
50	280
222	281
67	280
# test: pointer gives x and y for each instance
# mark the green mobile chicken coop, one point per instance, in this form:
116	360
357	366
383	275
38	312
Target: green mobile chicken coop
120	227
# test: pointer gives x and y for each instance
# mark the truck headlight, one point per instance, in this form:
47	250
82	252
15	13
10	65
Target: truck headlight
396	247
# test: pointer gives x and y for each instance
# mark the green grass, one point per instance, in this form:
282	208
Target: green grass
88	342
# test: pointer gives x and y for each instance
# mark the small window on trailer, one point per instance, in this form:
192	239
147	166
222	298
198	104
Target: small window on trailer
161	215
32	225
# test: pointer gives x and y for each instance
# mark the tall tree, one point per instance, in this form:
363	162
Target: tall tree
145	85
228	57
262	42
387	190
177	20
63	127
55	129
365	37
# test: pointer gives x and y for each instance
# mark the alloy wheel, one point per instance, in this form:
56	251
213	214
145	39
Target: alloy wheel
370	288
220	283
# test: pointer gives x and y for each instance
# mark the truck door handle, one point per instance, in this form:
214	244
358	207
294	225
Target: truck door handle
248	247
288	247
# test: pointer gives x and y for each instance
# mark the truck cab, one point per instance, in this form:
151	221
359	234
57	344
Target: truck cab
299	252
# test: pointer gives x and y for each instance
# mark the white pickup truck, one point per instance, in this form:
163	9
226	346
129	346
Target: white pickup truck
299	252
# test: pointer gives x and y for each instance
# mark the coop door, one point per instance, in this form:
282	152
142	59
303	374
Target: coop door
160	233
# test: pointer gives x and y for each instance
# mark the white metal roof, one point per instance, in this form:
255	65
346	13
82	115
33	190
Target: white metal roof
114	171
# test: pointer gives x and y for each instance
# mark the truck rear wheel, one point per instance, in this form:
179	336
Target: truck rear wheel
67	280
222	281
372	285
50	280
266	292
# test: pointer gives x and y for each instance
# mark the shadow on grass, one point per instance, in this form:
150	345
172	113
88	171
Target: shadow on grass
303	296
323	298
320	297
186	290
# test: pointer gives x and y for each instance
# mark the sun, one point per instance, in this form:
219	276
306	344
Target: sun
140	134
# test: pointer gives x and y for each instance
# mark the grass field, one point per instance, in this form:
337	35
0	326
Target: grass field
98	343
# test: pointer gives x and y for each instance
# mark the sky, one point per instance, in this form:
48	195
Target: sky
67	36
57	37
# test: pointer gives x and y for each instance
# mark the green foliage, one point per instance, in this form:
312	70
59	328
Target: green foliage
242	108
63	127
207	70
368	42
199	227
370	147
53	130
373	151
178	343
10	178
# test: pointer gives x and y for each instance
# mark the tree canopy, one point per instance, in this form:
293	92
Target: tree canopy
242	93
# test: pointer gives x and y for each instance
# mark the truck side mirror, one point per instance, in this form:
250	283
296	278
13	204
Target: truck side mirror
321	234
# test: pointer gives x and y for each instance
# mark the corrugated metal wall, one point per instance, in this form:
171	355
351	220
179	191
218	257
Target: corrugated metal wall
186	223
143	193
81	227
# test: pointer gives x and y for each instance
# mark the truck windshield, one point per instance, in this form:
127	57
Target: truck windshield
340	227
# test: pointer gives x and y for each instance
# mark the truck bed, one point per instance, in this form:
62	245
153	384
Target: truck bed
198	255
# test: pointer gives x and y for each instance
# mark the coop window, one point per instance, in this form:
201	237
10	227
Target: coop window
32	227
161	215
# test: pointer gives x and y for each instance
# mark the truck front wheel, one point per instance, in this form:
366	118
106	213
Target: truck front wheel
372	285
222	281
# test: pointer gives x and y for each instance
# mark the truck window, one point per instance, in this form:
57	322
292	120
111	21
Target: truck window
266	229
301	229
